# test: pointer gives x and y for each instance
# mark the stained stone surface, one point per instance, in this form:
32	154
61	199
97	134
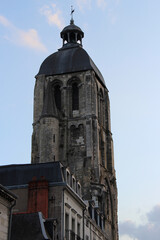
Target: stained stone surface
81	139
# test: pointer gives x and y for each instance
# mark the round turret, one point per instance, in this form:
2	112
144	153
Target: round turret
72	34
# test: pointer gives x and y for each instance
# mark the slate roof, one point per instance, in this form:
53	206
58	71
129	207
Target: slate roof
28	226
70	58
21	174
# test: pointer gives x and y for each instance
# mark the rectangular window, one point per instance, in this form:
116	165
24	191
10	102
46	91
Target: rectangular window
66	221
72	237
78	229
67	226
73	224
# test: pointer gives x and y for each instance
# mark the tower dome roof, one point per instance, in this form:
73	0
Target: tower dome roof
69	60
70	28
71	57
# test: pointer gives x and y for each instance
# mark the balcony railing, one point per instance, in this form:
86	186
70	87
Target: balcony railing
70	235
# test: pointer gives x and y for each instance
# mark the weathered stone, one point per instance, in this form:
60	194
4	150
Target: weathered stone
72	125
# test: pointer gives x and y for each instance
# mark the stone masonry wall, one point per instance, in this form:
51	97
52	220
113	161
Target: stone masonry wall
84	138
4	219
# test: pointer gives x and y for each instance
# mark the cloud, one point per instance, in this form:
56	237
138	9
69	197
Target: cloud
154	214
4	21
83	4
18	36
101	4
112	16
147	231
117	2
30	39
53	15
86	4
126	237
106	5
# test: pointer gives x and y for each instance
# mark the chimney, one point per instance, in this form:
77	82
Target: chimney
38	196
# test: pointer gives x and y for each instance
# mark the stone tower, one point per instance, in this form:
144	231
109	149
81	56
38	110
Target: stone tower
72	123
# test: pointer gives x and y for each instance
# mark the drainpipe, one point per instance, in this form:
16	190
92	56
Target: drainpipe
62	215
83	222
90	230
10	219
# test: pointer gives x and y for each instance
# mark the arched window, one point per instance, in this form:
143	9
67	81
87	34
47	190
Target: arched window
101	148
75	97
101	107
57	96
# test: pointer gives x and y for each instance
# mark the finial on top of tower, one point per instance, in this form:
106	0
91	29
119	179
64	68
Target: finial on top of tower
72	11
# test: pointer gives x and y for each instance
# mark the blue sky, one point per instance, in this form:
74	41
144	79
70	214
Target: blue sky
122	37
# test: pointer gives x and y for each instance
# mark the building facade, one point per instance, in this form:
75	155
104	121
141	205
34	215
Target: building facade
50	204
69	190
7	202
72	124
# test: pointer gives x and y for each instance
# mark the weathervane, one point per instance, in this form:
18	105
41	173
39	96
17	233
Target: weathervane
72	11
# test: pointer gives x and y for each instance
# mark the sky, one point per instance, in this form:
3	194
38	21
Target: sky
122	37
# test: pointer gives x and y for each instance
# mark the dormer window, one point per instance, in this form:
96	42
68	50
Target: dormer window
78	188
68	177
73	183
